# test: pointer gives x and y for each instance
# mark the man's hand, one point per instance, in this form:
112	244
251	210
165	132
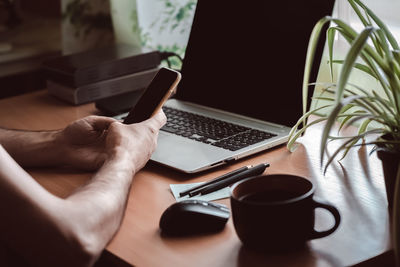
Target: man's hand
83	142
92	140
136	141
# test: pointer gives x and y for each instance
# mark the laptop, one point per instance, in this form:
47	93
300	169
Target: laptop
241	87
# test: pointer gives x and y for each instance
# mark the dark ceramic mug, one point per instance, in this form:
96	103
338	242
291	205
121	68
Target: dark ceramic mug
277	212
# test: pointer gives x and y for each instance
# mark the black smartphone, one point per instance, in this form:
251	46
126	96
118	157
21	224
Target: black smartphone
159	90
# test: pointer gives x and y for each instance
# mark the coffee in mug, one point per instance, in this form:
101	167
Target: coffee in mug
277	212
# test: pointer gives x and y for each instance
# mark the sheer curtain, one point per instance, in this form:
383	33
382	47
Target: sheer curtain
387	11
165	24
156	24
85	24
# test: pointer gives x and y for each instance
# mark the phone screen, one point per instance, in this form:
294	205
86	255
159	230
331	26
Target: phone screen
158	91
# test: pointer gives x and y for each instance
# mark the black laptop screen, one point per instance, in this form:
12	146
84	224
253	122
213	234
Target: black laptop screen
247	57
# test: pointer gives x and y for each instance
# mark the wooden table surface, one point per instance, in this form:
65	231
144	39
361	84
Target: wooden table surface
355	186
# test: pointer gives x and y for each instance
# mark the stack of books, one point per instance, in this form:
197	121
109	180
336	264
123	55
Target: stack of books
89	76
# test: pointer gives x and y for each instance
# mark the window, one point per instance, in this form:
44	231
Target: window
387	11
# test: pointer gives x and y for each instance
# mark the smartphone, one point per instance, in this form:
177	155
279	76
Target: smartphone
157	92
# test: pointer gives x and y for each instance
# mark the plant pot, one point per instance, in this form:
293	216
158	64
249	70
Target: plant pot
390	163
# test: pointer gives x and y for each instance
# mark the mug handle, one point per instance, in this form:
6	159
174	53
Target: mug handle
334	211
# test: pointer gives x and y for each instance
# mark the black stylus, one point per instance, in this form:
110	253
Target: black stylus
219	178
256	170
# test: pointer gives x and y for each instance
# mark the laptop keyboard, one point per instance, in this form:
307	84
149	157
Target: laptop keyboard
211	131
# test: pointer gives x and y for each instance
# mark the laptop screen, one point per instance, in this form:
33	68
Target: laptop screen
247	57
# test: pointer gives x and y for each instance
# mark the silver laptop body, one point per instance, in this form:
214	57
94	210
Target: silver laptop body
233	72
191	156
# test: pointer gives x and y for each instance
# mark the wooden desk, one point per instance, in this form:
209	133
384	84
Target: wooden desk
355	187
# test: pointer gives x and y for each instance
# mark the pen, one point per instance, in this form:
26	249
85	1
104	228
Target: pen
219	178
256	170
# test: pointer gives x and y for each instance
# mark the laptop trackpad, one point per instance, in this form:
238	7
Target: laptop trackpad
185	154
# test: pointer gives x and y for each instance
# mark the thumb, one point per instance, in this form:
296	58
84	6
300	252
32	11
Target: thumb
160	118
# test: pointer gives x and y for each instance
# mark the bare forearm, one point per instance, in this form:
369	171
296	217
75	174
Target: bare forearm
35	225
105	198
70	232
30	148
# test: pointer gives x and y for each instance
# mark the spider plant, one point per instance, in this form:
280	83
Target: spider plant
373	51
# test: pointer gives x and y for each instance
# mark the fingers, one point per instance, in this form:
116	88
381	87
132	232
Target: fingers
159	119
156	121
99	122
